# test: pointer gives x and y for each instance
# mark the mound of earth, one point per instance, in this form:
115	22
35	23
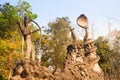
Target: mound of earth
77	66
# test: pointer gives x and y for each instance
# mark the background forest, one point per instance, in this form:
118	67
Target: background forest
54	41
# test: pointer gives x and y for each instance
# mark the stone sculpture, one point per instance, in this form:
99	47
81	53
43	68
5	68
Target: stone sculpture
73	36
89	48
24	28
81	62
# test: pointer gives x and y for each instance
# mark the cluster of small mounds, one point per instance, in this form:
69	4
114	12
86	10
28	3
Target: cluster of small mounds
31	70
81	64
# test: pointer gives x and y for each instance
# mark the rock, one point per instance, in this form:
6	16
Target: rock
17	77
81	62
30	70
77	66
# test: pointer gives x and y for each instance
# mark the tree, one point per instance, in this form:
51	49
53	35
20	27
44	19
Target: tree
58	41
10	37
108	49
114	41
103	50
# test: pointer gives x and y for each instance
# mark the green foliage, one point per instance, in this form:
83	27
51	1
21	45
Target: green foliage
114	57
109	57
58	41
7	17
102	45
103	50
24	9
6	49
9	55
10	36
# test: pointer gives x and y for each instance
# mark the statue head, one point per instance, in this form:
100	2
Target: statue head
72	29
82	21
26	21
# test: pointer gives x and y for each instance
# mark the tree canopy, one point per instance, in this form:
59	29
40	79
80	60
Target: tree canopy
58	41
10	37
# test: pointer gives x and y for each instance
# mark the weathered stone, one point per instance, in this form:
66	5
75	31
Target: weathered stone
77	67
17	77
81	63
19	70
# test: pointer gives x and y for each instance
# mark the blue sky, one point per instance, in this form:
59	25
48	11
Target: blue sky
99	12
